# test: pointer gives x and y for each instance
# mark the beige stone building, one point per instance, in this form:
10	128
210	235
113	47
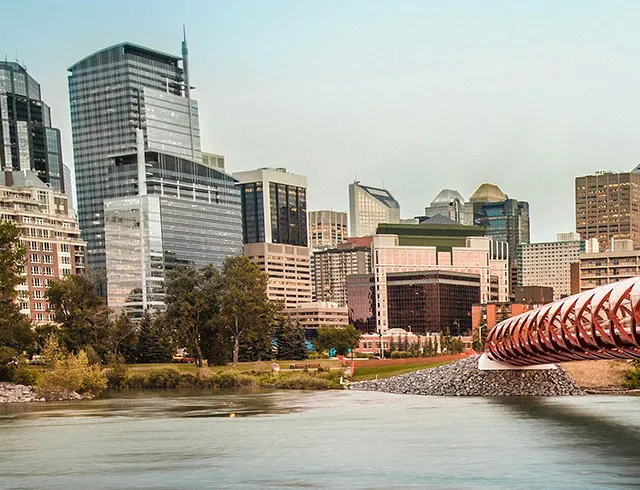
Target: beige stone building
549	263
50	234
622	261
332	267
312	316
327	228
288	268
608	207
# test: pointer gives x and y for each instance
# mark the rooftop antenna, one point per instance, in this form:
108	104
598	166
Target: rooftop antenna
187	85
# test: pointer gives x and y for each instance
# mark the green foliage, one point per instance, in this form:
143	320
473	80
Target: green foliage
25	374
82	314
154	340
303	380
8	363
69	372
15	328
396	354
632	379
290	339
340	339
245	309
192	309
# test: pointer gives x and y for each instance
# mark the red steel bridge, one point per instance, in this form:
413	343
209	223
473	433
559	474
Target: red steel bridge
603	323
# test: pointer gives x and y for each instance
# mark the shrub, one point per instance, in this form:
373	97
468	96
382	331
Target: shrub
25	375
117	376
69	372
300	380
632	379
163	378
8	363
396	354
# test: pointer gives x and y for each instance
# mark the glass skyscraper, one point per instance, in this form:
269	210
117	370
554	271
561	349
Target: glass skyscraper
27	140
190	216
146	199
111	93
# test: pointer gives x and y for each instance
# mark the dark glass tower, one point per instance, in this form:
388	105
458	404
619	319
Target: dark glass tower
111	93
28	140
274	206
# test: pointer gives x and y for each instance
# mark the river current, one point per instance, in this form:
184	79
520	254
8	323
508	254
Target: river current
287	439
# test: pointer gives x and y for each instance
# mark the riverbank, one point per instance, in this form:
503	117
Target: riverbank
17	393
463	378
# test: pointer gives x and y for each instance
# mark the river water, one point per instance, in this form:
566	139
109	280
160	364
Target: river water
287	439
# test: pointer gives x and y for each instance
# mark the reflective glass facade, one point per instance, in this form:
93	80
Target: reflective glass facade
27	140
111	92
433	301
191	216
274	206
361	302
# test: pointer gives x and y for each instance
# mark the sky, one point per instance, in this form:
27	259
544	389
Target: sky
413	95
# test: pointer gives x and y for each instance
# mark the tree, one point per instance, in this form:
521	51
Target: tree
82	314
340	339
121	337
290	340
244	306
154	343
480	337
192	305
15	328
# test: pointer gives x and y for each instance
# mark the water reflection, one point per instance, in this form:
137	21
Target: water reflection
600	435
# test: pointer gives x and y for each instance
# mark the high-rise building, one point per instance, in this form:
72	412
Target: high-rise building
274	206
113	93
504	220
288	268
608	207
68	184
187	214
549	263
327	228
28	141
49	233
213	160
447	203
331	267
370	206
481	255
620	261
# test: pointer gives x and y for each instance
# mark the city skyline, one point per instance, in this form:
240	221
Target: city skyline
550	94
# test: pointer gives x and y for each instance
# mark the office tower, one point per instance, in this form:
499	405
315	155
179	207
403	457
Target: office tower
213	160
185	213
29	142
432	301
620	261
607	207
370	206
68	184
274	206
112	93
480	255
288	268
504	220
49	233
448	203
549	264
331	267
327	228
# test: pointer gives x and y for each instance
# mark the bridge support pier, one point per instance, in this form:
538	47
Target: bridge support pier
486	364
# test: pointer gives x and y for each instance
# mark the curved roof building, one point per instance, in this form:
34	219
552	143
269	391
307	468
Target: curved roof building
488	193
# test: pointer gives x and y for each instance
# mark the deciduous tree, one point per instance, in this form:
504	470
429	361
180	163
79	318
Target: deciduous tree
339	338
15	328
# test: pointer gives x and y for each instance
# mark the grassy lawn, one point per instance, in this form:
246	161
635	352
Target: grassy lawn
242	366
366	373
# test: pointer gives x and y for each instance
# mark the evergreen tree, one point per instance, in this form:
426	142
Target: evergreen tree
290	339
15	328
154	344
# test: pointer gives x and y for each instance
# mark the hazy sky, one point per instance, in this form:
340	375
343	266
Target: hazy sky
416	95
